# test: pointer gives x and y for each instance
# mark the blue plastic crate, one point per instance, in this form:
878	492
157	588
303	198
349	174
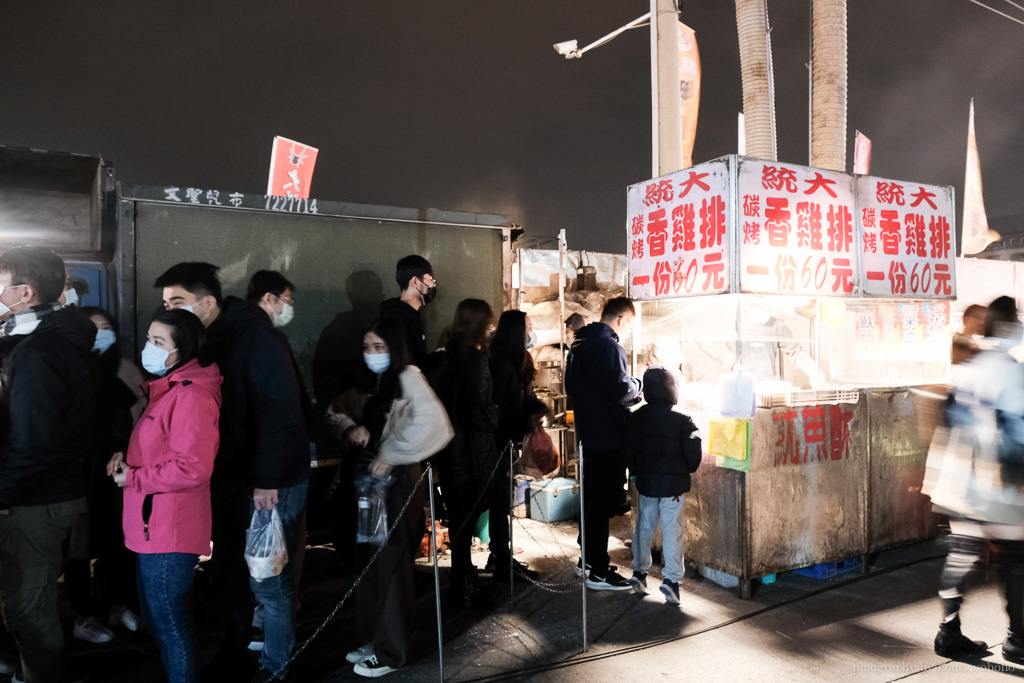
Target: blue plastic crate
826	570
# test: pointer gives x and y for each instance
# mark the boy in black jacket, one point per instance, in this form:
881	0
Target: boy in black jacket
666	449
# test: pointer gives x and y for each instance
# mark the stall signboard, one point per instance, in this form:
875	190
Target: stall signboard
679	233
798	230
743	225
907	239
912	331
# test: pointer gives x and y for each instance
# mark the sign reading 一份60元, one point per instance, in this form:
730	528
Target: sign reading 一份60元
679	234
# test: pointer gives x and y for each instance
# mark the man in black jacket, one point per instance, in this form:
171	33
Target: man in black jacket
48	398
598	381
264	451
416	279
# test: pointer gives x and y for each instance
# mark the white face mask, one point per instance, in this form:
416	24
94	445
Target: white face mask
154	359
377	362
191	309
285	316
531	340
70	297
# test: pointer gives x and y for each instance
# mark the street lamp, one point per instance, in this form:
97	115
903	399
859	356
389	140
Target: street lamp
666	146
570	48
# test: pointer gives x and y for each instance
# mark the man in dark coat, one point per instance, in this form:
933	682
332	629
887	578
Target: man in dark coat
48	397
665	449
264	452
416	280
598	381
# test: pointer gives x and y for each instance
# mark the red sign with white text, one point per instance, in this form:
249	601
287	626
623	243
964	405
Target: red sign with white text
291	168
797	230
678	233
907	239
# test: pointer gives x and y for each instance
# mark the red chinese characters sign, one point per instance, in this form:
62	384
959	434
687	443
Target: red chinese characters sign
907	242
797	230
812	434
677	228
291	168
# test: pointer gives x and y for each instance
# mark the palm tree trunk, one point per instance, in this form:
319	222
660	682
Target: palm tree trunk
758	85
828	83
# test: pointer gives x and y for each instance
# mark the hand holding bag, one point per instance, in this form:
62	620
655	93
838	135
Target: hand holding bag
266	552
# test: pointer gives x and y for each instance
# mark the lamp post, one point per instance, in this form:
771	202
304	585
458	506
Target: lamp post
666	132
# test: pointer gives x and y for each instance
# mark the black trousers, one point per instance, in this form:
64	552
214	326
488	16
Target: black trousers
963	552
498	512
387	594
604	475
229	500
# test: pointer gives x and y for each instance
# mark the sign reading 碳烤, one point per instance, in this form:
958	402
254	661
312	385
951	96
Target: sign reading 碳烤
747	225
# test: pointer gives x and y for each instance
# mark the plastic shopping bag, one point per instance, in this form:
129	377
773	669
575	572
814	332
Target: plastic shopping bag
372	502
265	550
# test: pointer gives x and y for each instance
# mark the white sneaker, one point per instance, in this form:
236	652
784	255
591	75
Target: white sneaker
122	616
360	654
91	630
372	668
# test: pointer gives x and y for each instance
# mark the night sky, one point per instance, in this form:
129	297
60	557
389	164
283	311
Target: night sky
464	105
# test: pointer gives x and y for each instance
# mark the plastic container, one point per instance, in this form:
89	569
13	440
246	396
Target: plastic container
554	500
826	570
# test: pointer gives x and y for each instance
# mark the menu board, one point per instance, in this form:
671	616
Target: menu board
903	331
798	230
679	235
738	224
907	246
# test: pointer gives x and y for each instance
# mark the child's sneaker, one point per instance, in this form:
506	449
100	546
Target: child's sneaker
639	583
671	591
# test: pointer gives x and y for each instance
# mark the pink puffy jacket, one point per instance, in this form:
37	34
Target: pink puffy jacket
167	491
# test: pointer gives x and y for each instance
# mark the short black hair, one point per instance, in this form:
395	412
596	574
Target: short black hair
409	267
264	281
1002	310
38	267
616	307
187	333
195	277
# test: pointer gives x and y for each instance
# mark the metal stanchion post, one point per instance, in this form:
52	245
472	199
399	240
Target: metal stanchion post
511	513
583	541
437	580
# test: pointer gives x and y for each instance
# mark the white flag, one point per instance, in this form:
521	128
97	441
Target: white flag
976	234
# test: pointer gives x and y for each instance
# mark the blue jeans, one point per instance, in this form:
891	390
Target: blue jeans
165	596
277	594
649	510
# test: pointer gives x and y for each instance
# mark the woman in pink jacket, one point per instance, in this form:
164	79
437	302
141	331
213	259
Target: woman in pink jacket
166	481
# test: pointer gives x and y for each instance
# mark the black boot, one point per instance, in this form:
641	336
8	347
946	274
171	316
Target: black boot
952	644
468	590
1013	648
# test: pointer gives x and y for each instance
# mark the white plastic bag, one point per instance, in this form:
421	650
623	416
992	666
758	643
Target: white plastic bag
265	550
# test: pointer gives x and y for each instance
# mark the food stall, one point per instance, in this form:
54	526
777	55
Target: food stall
799	305
550	285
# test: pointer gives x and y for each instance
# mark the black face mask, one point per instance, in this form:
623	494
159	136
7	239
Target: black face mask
429	295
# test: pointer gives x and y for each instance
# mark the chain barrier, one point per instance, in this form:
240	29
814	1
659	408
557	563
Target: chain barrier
278	675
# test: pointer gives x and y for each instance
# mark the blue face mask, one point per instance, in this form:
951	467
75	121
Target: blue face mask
104	340
377	362
154	359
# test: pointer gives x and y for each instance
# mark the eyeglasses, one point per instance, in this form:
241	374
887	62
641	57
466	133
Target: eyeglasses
432	282
287	299
3	287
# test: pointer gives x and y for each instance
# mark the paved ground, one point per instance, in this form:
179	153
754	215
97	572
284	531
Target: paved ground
875	627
